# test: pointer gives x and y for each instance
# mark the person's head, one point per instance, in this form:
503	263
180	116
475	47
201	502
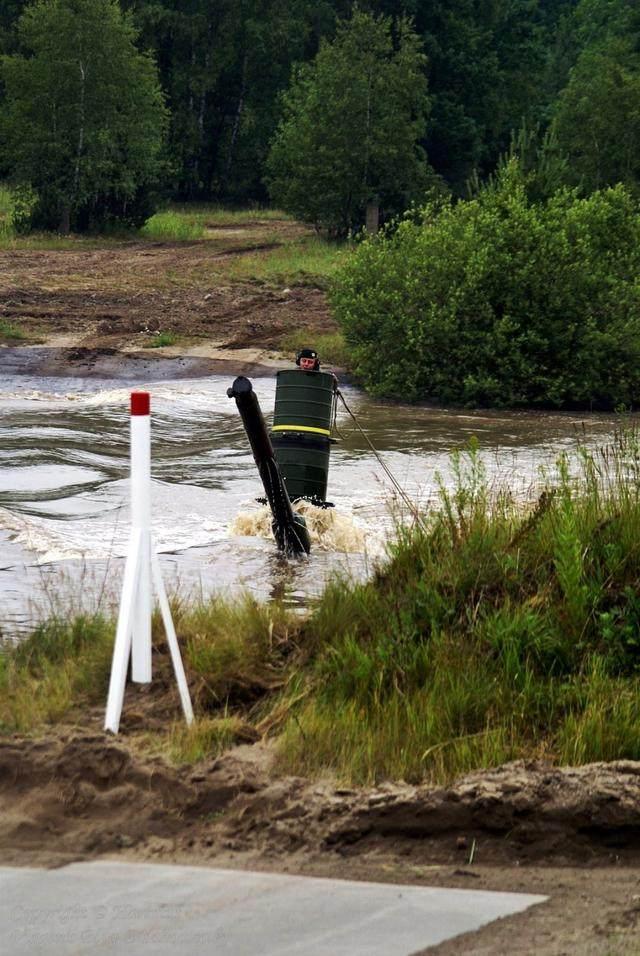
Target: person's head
308	360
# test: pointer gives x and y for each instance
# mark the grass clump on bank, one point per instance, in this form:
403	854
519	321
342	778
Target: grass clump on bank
236	654
161	340
309	261
61	666
10	332
495	631
172	226
184	222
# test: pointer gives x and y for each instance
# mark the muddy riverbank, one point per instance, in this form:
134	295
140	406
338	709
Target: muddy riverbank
195	361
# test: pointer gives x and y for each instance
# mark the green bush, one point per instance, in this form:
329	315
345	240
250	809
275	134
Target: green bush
500	301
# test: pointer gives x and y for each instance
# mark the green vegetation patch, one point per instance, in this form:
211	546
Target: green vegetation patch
310	261
185	222
63	665
494	631
160	340
6	213
172	225
10	332
501	300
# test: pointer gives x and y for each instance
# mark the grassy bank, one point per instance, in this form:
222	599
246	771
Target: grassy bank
493	632
189	221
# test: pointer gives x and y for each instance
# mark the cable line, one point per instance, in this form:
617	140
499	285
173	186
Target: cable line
392	478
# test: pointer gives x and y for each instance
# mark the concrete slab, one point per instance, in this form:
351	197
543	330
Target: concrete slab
138	909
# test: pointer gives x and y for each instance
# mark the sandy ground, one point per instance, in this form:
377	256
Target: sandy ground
572	834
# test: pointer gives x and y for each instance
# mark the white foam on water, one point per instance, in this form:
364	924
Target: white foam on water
184	517
330	530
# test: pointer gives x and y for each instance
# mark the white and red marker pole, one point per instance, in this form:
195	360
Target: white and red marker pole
141	522
133	633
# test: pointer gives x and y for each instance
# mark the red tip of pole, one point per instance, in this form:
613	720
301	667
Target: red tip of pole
140	403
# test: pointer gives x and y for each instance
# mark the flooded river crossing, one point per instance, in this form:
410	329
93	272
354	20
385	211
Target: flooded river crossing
64	487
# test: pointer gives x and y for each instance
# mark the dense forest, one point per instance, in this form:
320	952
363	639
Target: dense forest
489	66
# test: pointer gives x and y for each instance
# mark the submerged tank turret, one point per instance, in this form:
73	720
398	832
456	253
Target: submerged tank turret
301	433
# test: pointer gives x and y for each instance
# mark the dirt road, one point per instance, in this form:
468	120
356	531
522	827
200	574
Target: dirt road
92	301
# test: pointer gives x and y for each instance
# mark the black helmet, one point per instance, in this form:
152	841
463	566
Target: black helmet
309	354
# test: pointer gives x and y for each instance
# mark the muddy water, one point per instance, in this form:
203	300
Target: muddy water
64	487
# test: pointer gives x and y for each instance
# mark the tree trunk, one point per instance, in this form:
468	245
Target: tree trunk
238	116
373	218
81	121
64	227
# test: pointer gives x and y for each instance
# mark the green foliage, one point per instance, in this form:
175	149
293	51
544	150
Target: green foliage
223	65
235	650
351	125
597	117
495	632
171	225
311	261
61	665
501	301
207	737
486	75
83	121
6	212
10	332
160	340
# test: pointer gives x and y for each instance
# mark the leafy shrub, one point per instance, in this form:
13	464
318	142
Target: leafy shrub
500	301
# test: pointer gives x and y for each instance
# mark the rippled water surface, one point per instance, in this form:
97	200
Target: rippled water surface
64	486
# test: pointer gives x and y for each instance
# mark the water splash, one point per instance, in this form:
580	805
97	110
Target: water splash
330	529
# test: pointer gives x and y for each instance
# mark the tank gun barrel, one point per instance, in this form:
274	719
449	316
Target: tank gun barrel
289	529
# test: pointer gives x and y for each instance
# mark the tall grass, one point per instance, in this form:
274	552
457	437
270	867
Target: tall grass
6	213
308	261
493	631
161	340
61	666
214	216
190	221
172	225
10	332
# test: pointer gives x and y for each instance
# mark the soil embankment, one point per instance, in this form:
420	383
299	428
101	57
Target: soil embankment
78	795
84	793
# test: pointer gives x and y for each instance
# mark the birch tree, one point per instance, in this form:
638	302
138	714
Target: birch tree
83	119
